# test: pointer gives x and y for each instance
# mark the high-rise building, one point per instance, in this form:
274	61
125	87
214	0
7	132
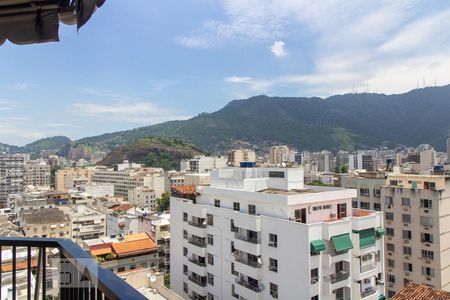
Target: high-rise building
279	155
36	173
239	155
360	161
260	233
325	162
65	179
427	160
417	221
202	164
11	176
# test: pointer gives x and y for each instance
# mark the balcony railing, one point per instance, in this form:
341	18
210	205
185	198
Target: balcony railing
337	277
197	262
199	243
368	292
247	262
250	286
196	224
247	238
80	276
198	280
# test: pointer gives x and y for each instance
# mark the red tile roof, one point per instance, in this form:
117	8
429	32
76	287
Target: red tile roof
184	189
134	247
414	291
123	207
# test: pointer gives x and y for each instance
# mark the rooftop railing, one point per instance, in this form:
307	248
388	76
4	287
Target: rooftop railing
80	276
245	238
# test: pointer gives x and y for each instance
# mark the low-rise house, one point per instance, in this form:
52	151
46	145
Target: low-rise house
46	222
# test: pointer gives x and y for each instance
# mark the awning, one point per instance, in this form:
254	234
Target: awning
379	231
342	242
366	238
101	251
317	246
29	21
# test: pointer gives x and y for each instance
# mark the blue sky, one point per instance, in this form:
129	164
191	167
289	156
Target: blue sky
141	62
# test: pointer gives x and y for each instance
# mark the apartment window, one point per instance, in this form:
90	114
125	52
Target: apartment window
236	206
273	240
377	206
391	263
355	204
365	205
377	193
273	264
232	247
406	234
407	267
120	269
406	218
364	192
393	182
391	278
210	279
427	271
388	200
185	287
251	209
426	203
314	275
185	217
390	294
316	297
426	221
209	219
276	174
210	239
216	203
185	270
407	251
389	216
210	259
185	234
273	290
210	296
390	247
185	251
426	237
389	231
427	254
233	271
406	202
233	292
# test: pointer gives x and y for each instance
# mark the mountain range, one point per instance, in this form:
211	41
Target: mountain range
350	121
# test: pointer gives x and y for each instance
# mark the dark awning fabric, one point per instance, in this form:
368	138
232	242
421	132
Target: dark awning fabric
37	21
366	238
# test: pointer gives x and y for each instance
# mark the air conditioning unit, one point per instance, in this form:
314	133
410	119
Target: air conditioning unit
406	257
426	211
313	281
428	245
428	261
391	284
405	224
407	273
429	278
406	241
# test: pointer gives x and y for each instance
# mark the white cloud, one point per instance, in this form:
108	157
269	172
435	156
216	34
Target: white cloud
133	111
277	49
388	44
21	86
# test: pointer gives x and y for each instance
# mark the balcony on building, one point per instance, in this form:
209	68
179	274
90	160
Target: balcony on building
197	279
43	268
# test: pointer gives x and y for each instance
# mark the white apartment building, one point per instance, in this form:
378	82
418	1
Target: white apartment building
86	222
143	196
122	220
36	173
202	164
417	220
259	233
129	179
11	175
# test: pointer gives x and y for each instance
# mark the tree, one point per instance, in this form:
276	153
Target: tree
337	169
163	202
53	175
344	169
167	280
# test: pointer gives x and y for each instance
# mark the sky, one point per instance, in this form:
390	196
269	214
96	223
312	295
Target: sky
142	62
